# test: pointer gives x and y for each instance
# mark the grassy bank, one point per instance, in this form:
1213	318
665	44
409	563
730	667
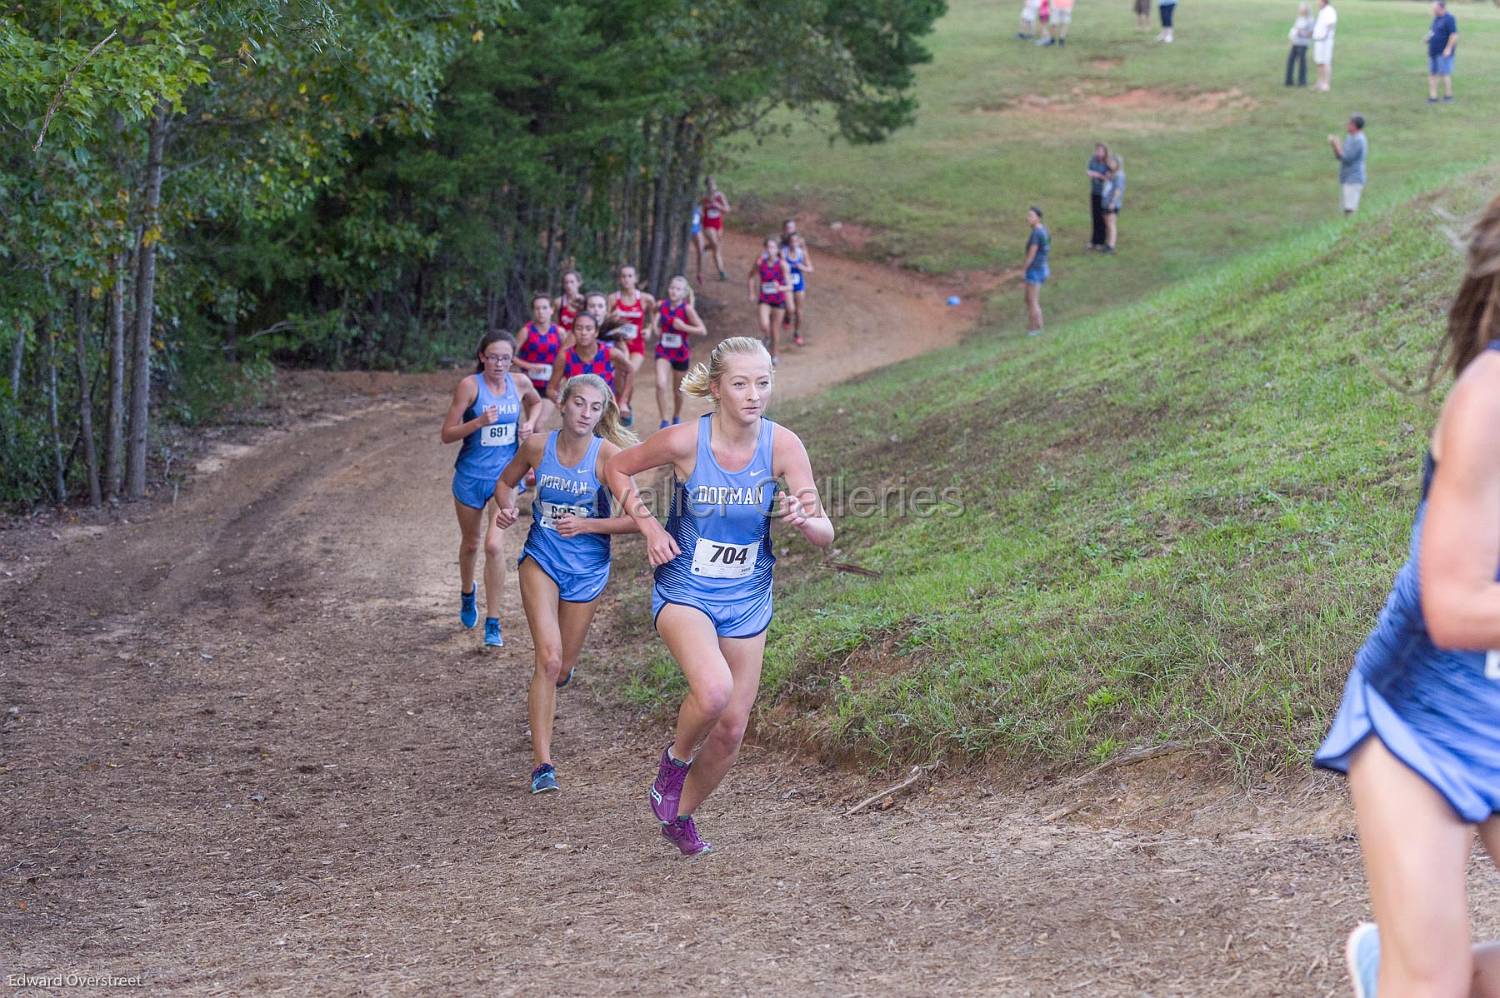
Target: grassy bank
1177	520
1221	157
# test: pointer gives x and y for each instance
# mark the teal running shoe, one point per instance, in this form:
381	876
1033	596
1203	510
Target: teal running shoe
568	679
544	779
492	638
468	608
1362	954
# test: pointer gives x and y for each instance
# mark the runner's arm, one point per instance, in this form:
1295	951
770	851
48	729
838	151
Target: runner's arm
691	323
672	445
1030	254
531	404
521	337
621	524
554	383
454	428
527	456
807	267
800	505
1461	535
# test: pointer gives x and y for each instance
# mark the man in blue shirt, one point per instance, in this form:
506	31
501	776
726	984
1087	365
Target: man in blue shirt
1442	39
1351	153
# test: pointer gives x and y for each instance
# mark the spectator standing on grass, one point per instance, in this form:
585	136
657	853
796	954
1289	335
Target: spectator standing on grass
1323	27
1113	197
1166	8
1442	39
1097	168
1142	14
1301	37
1062	16
1351	154
1038	244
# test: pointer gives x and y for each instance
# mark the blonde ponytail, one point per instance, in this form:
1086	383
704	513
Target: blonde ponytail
609	426
699	380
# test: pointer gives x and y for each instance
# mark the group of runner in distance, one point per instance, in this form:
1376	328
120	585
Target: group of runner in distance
1418	731
734	474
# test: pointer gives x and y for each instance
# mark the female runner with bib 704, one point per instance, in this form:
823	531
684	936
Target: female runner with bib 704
712	595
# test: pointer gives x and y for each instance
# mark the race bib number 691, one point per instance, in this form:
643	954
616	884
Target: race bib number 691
498	435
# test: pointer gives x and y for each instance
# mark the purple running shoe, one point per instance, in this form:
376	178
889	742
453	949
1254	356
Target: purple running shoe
683	834
666	792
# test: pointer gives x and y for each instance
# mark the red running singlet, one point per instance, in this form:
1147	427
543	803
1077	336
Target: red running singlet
770	283
713	218
600	364
566	313
672	343
540	348
634	313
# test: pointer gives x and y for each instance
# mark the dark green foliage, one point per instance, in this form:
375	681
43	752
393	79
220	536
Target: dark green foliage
364	183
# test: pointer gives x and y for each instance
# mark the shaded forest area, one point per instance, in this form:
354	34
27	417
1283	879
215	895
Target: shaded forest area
194	192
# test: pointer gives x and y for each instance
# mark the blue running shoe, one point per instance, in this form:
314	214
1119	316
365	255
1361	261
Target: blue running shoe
543	779
468	610
492	638
676	420
683	834
1362	954
663	425
568	679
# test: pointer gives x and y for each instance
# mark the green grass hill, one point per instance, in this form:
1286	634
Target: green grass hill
1176	520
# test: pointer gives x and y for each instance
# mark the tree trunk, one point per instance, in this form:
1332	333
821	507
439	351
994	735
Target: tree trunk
59	483
656	261
625	214
554	249
114	439
85	395
145	309
16	356
642	210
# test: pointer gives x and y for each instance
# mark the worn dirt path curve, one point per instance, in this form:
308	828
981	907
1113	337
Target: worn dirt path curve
244	748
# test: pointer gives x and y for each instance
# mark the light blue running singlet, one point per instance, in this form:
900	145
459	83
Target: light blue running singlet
1436	709
721	521
579	564
485	452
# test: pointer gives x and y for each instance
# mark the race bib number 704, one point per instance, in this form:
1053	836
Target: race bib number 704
717	560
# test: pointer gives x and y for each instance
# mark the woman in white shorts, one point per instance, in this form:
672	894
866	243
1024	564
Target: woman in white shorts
1323	29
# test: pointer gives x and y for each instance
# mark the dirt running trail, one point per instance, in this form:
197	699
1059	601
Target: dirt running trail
246	749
